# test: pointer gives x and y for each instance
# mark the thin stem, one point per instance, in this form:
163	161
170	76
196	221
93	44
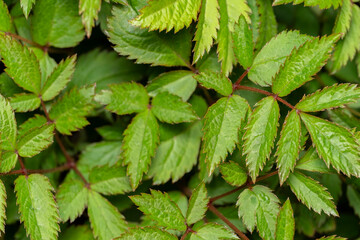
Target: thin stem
56	169
237	83
194	70
188	230
23	168
23	39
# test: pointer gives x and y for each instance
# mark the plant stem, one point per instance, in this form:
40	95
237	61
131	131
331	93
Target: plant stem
24	40
188	230
23	168
56	169
237	83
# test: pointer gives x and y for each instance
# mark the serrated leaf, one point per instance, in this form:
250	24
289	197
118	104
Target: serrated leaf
212	231
140	141
146	233
344	117
302	64
312	194
89	10
243	43
147	47
58	79
69	112
8	127
37	206
2	206
268	61
46	63
320	3
171	109
25	102
6	24
105	219
332	238
221	128
288	145
167	15
343	19
233	173
267	25
336	145
260	134
30	124
311	162
161	209
57	23
26	5
214	80
285	227
8	161
354	199
197	204
21	64
101	153
125	98
248	204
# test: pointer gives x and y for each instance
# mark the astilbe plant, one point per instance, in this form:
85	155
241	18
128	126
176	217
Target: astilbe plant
209	122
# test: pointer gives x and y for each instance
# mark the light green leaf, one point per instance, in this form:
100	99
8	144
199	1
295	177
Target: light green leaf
344	117
77	232
6	24
343	19
171	109
25	102
8	161
336	145
2	206
140	141
70	111
302	64
58	79
312	194
30	124
89	10
354	199
197	204
168	15
167	214
46	63
285	227
243	43
311	162
260	134
147	47
212	231
26	5
125	98
180	83
146	233
105	219
248	203
221	128
214	80
8	127
320	3
101	153
288	145
332	238
267	25
37	206
21	64
268	61
72	199
233	173
57	23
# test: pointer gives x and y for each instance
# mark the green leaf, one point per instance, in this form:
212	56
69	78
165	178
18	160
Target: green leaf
31	124
288	145
311	162
171	109
58	79
285	227
46	63
343	19
344	117
37	206
212	231
248	203
233	173
70	111
147	47
302	64
221	128
125	98
72	199
168	15
89	10
243	43
101	153
6	24
336	145
26	5
197	204
105	219
354	199
320	3
109	180
57	23
2	207
8	161
260	134
180	83
214	80
268	61
312	194
268	25
332	238
140	141
167	214
146	233
78	232
206	29
25	102
21	64
8	127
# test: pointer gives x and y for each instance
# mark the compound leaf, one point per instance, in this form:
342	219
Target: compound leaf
311	162
8	127
8	161
343	19
233	173
320	3
25	102
89	13
214	80
248	203
197	204
243	43
285	227
146	233
212	231
2	206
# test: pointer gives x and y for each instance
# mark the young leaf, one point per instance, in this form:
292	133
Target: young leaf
21	64
126	98
268	61
221	128
197	204
8	127
105	219
343	19
336	145
302	64
70	111
312	194
146	233
260	134
58	79
2	206
268	25
216	81
37	206
206	29
25	102
311	162
248	203
140	141
26	5
285	227
320	3
6	24
167	214
233	173
243	43
8	161
89	12
288	145
354	199
168	15
212	231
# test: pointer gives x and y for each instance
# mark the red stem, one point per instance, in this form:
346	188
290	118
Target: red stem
237	83
56	169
